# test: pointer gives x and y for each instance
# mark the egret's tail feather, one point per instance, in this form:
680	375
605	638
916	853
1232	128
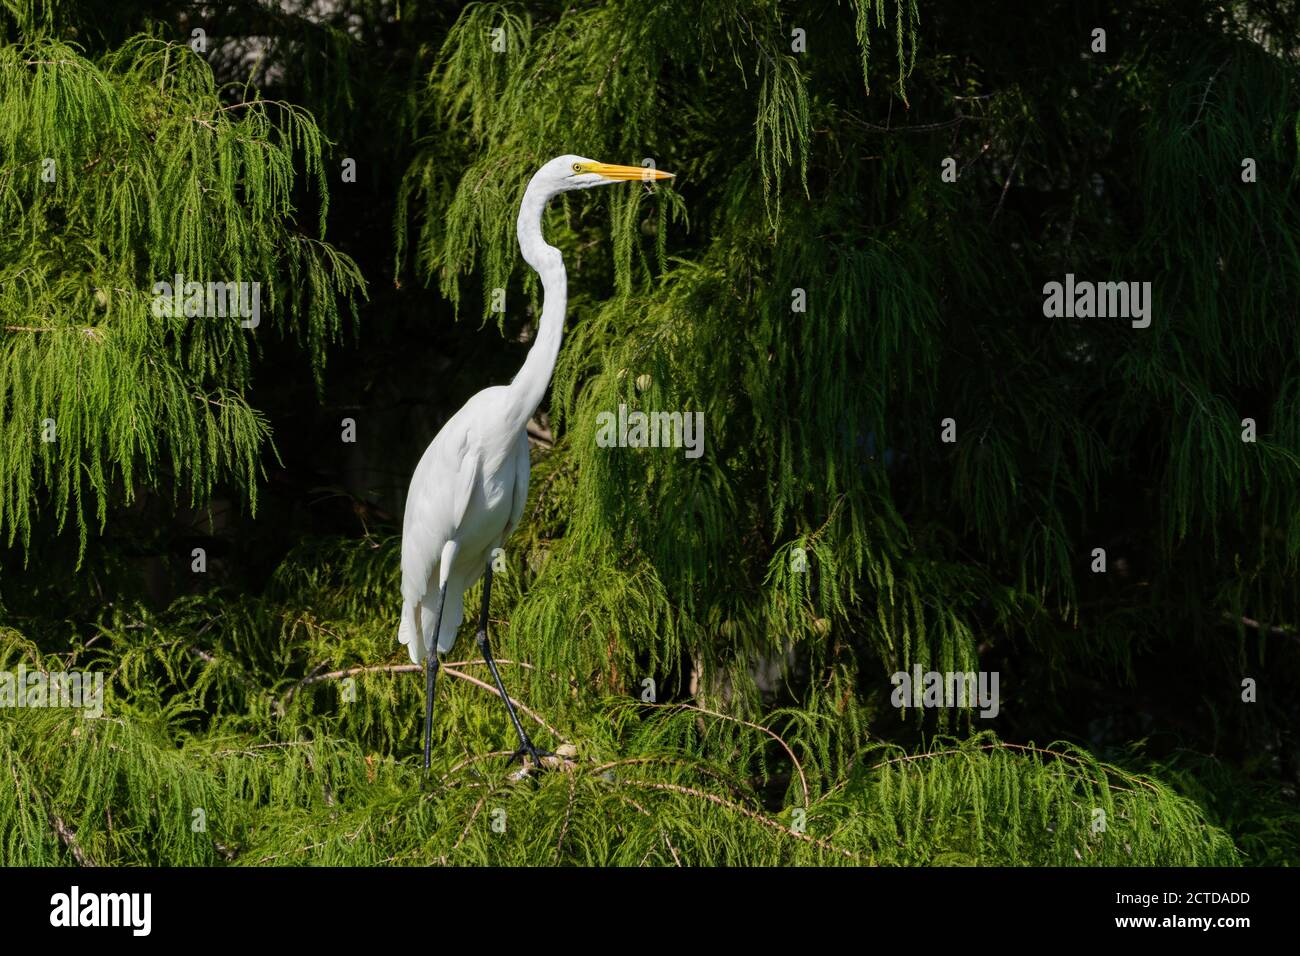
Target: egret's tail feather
452	616
408	634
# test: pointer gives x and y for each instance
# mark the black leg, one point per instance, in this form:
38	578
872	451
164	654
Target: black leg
431	672
525	745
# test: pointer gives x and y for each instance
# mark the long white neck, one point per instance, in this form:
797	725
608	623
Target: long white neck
530	384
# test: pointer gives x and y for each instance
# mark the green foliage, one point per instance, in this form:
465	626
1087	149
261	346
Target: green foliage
274	761
115	174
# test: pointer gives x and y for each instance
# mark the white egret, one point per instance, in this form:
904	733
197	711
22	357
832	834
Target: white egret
468	491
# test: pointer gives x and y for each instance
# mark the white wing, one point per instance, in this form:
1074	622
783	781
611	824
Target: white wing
521	464
436	508
436	504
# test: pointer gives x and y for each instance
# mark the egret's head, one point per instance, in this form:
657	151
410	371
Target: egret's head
565	173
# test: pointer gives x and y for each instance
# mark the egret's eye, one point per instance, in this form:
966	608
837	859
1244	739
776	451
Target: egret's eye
577	167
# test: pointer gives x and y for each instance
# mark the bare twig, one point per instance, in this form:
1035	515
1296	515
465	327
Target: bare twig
451	671
1263	628
803	781
1205	97
745	811
469	823
69	840
1003	745
568	813
1010	174
476	758
350	672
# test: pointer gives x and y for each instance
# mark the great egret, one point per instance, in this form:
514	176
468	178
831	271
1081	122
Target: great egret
468	491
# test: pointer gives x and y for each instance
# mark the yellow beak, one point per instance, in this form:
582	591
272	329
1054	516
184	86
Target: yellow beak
628	173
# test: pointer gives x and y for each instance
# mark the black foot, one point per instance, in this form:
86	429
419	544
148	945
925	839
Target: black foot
530	750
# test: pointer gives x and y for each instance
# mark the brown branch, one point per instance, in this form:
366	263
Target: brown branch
351	672
469	823
476	758
392	669
69	840
303	849
1010	174
88	331
664	836
542	437
568	813
518	706
915	128
1259	626
410	668
671	849
752	814
1003	745
803	781
1205	97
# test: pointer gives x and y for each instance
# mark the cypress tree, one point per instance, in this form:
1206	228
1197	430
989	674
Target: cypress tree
912	461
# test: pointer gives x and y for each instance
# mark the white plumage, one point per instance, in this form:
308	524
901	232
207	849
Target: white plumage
467	495
468	491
